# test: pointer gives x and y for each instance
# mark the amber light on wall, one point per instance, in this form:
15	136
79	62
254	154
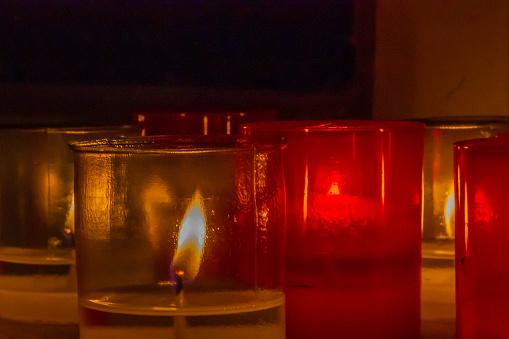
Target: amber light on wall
353	226
180	238
198	123
482	216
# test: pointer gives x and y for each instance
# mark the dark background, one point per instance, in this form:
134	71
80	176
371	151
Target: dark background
60	56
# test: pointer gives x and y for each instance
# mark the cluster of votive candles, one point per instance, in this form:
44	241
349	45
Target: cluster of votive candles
237	225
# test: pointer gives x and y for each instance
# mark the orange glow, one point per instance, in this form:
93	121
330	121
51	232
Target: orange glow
334	189
483	210
449	215
155	195
228	125
466	224
383	179
305	202
205	125
187	259
69	219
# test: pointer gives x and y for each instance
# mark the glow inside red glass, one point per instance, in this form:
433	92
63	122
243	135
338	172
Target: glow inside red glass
482	217
198	123
353	226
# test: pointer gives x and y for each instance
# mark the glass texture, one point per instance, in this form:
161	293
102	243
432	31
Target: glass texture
180	238
482	216
437	290
353	226
37	259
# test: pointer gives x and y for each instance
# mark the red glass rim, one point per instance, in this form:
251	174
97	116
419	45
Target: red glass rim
498	143
463	121
306	126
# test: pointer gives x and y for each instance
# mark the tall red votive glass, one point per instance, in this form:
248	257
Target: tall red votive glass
482	216
199	123
438	274
354	197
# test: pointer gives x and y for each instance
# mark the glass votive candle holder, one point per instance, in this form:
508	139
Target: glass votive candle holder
437	290
37	258
353	226
180	238
482	216
199	123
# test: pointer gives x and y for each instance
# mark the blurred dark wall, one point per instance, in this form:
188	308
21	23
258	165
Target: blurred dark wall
249	49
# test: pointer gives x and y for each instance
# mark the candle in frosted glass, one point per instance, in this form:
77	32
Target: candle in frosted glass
180	238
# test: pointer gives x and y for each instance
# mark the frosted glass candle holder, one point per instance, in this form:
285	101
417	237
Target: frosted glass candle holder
37	259
180	238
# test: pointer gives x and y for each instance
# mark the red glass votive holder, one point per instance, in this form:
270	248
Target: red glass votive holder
353	226
437	289
482	216
198	123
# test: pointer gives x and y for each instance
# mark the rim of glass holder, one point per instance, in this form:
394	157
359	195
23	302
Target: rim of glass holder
71	129
309	126
175	144
463	122
498	144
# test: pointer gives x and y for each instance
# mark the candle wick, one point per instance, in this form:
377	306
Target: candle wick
180	322
176	280
177	284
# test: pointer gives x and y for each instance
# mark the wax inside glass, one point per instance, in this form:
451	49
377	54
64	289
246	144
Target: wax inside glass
353	226
186	231
481	167
37	265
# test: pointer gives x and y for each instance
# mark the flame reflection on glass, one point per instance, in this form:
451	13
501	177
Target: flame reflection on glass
334	189
155	195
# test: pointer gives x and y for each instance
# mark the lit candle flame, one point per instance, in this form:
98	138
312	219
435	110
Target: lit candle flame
334	189
187	259
449	215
